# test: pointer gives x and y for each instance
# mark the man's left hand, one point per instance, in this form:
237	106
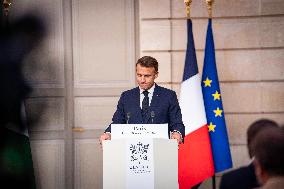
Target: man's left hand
177	136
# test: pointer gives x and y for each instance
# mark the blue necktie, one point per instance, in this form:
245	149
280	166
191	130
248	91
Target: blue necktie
145	105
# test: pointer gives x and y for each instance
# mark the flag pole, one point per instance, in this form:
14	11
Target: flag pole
5	8
209	9
214	181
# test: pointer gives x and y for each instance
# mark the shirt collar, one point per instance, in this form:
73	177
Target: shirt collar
151	90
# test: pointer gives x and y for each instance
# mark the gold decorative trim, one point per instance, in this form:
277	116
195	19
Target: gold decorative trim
209	7
187	7
6	6
78	129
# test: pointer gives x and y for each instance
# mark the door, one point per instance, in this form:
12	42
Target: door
104	65
77	74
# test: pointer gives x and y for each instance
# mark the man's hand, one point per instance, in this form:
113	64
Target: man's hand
177	136
105	136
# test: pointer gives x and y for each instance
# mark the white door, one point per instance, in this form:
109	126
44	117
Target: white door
77	73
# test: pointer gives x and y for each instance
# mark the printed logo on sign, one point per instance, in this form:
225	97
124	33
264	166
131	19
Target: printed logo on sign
139	158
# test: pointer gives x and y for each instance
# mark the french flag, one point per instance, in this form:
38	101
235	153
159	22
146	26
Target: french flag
195	155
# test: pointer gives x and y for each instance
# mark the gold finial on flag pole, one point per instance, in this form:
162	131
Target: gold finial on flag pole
187	8
209	7
6	6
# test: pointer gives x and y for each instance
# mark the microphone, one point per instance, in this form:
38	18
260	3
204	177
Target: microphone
128	117
152	115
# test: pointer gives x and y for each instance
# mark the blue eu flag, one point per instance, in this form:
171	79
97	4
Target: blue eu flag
214	108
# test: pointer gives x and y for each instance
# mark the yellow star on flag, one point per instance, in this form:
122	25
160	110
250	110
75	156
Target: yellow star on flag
211	127
218	112
207	82
217	96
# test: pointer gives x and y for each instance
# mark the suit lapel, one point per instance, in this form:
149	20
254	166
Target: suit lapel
137	104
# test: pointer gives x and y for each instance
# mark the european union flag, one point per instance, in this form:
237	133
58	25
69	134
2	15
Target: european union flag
214	108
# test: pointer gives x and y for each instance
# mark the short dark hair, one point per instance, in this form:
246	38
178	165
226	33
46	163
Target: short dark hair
148	62
269	148
255	128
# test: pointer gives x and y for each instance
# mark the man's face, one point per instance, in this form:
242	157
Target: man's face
145	76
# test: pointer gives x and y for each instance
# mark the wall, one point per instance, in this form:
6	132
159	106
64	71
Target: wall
249	42
249	45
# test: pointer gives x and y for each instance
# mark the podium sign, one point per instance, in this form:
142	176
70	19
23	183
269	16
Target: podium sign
141	162
119	131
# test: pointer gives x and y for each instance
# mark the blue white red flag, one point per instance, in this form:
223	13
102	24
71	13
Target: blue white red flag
195	155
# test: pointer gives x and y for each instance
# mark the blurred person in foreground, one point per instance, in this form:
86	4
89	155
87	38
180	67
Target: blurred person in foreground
269	158
17	39
244	177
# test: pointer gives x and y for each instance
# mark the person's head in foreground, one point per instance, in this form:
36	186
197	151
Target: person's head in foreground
269	155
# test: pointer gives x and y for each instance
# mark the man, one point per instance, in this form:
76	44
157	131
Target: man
244	177
148	103
269	158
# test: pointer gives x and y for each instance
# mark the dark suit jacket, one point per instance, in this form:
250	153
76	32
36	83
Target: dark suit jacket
164	108
242	178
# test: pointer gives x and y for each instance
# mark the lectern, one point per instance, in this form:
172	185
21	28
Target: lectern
136	158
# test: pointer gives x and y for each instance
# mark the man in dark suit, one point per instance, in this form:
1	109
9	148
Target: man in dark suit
148	103
244	177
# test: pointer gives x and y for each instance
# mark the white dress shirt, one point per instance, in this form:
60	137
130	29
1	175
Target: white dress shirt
150	95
